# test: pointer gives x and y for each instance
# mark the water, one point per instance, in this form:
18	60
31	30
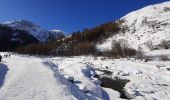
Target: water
115	84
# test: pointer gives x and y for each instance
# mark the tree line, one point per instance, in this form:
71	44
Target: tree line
79	43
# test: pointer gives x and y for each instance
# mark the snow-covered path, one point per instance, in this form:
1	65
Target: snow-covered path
29	79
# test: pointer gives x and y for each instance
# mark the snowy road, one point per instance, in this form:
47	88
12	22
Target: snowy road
29	79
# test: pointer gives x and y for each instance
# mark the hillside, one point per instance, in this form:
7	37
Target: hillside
151	23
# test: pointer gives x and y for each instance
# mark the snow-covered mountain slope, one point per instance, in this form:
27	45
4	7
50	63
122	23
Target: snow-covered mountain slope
151	23
55	34
39	33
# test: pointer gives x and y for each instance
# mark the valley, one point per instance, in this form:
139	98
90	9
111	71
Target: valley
125	59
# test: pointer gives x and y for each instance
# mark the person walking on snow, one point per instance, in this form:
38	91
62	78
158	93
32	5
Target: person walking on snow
0	58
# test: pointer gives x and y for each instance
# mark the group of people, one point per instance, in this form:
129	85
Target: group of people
5	56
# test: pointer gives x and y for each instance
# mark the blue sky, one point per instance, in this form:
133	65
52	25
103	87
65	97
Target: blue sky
69	15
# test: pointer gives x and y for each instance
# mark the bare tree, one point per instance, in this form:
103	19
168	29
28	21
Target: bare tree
122	49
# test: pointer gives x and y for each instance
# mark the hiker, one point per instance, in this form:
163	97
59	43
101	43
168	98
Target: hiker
5	56
0	58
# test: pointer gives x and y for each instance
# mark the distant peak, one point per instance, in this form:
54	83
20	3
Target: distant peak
55	30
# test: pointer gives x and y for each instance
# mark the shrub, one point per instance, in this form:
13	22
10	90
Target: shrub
84	48
122	49
39	49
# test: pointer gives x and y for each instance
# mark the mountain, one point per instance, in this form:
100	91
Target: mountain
21	32
151	23
39	33
55	34
10	38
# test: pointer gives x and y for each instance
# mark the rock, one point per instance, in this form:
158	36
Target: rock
71	79
96	76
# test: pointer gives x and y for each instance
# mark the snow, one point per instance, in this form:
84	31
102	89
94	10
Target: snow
33	78
159	52
15	39
113	95
141	75
55	30
151	23
83	77
27	78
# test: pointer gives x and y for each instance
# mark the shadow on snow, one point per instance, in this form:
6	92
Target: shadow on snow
3	72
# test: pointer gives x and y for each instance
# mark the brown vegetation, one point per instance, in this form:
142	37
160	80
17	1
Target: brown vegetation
120	49
80	43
